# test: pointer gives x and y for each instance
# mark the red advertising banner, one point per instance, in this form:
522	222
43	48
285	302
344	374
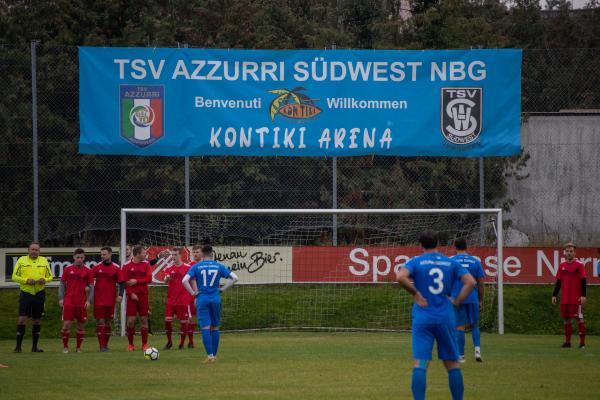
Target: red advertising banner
378	264
365	264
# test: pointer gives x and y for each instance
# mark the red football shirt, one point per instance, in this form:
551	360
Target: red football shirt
76	279
570	275
105	290
142	272
176	294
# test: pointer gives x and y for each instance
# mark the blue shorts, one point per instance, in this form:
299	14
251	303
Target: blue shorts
423	336
467	314
208	311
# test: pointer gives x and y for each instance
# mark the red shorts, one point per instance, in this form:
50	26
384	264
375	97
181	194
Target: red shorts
137	307
568	311
192	308
182	312
104	312
71	313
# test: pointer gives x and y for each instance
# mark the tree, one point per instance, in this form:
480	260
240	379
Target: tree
83	193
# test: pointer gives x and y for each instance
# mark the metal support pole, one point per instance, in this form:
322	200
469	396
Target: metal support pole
187	200
123	256
34	141
481	202
500	235
334	201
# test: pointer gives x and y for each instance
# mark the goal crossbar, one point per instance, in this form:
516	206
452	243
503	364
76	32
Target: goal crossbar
497	212
312	211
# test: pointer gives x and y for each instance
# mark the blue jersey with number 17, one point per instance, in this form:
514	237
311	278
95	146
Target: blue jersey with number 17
434	275
208	274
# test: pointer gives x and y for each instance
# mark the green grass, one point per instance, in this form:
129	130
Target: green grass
527	309
301	366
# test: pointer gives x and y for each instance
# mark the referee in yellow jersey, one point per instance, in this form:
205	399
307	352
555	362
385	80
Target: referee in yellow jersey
32	272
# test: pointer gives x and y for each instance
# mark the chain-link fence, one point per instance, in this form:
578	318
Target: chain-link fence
16	173
80	196
555	80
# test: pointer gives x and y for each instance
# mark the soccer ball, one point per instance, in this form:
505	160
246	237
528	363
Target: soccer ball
151	353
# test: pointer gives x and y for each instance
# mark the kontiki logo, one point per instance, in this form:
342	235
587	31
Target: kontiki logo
292	104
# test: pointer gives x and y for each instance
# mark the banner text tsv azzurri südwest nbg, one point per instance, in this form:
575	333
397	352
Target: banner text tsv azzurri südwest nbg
186	102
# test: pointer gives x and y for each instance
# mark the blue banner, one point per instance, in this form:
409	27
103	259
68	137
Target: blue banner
192	102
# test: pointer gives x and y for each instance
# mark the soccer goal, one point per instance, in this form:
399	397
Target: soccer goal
330	269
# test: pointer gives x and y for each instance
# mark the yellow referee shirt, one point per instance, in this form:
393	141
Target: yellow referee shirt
28	268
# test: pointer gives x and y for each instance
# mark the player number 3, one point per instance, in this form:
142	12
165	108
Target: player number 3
438	276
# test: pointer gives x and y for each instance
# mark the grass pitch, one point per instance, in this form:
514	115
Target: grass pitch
302	365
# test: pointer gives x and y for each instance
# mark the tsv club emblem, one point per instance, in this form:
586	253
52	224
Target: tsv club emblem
461	114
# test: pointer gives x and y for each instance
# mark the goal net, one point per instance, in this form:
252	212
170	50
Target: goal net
315	269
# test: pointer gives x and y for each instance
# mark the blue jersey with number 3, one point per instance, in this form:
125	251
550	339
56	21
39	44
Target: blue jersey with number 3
434	276
208	274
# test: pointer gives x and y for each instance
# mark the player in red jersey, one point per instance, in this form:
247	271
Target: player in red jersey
74	296
571	278
106	274
178	298
196	257
137	274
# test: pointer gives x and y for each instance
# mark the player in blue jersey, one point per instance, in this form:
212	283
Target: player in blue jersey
208	274
433	318
467	314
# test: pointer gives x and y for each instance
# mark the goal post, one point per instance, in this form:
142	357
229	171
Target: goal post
319	269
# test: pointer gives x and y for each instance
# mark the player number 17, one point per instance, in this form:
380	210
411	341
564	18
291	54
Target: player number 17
213	275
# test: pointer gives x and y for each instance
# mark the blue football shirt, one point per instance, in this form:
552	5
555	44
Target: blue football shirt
474	267
208	274
434	276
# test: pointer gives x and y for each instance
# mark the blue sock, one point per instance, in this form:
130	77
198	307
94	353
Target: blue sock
214	335
455	380
476	333
460	340
207	341
419	383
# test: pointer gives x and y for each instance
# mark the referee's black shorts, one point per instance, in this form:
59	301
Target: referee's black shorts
32	305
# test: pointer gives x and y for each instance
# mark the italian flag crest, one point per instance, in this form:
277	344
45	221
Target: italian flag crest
142	113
